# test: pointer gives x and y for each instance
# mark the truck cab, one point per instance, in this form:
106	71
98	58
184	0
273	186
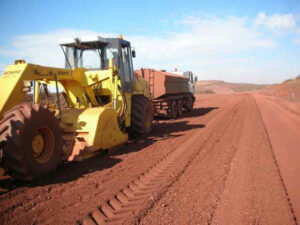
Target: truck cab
190	76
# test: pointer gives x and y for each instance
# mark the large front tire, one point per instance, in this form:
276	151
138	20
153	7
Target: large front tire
32	141
141	116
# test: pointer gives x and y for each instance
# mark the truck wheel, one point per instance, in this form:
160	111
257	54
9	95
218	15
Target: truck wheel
179	108
141	116
189	104
32	141
173	109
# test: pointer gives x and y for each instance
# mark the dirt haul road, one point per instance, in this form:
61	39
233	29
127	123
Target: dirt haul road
234	160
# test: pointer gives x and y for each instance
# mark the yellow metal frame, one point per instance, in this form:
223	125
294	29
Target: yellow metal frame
87	125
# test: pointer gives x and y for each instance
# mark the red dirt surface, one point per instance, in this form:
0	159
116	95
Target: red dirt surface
283	125
227	162
289	90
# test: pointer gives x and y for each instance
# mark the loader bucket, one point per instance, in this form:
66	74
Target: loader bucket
91	130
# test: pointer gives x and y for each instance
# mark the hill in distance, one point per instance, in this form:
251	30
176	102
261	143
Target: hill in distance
289	89
221	87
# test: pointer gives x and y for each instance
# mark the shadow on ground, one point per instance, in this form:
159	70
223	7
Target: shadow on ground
195	113
73	170
199	112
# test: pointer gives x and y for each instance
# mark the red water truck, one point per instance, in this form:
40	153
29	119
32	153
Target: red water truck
172	93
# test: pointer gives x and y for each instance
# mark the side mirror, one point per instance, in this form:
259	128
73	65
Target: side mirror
196	79
133	53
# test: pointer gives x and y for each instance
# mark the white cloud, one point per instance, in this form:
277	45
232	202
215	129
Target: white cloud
297	40
42	48
279	22
200	39
206	46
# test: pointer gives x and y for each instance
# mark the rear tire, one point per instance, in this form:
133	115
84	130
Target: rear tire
189	105
141	116
179	108
32	141
173	109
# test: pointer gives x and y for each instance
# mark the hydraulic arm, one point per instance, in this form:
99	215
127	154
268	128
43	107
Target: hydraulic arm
97	103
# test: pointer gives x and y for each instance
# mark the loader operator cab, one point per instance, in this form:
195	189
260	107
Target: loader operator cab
95	54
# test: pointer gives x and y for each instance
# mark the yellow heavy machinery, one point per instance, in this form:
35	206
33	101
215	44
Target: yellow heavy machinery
99	102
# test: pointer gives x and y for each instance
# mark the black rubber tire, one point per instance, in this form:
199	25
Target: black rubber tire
189	104
172	109
17	130
179	108
141	116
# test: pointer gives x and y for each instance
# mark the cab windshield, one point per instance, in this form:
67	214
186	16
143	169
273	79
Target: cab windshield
90	58
96	55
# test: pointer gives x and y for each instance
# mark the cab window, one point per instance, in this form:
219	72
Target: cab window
127	66
90	59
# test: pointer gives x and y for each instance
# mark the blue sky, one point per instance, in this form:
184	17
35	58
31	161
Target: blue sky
237	41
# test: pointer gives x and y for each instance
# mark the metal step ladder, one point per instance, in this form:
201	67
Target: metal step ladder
151	83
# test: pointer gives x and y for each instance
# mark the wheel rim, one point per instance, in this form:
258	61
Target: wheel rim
43	144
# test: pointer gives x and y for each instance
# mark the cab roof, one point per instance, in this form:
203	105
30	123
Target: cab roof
89	42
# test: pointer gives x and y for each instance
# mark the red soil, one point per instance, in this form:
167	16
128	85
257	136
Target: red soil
289	90
231	161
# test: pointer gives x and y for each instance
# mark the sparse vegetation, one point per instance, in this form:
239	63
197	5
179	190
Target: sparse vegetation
246	87
215	86
204	91
287	81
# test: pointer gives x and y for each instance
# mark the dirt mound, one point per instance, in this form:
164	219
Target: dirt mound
221	87
289	89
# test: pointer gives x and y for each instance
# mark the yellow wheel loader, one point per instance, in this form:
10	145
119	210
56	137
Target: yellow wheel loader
98	102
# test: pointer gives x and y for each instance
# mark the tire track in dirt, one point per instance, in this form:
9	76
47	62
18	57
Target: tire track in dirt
179	203
286	105
234	181
58	202
253	192
284	146
134	197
